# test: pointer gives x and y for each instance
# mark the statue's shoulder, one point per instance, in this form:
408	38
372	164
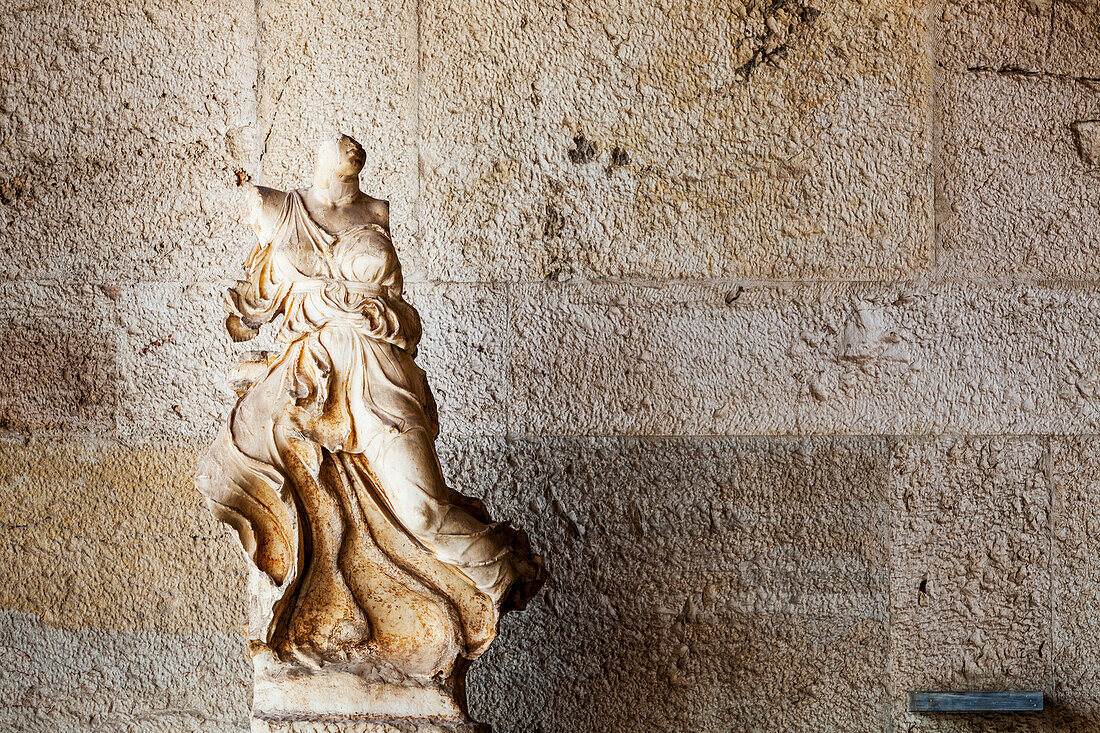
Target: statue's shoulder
376	211
272	198
262	209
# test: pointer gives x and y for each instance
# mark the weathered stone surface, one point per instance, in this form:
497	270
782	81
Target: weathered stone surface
1018	199
109	537
123	126
696	584
153	681
1048	36
970	599
1074	48
124	597
665	140
350	67
683	359
1075	568
465	354
996	34
174	357
60	354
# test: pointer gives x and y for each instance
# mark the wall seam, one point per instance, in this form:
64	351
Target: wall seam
888	488
940	205
260	142
1048	472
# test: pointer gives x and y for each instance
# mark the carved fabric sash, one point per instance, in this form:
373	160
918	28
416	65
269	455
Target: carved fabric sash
320	285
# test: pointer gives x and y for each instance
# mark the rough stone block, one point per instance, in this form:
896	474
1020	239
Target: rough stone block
660	140
465	354
680	359
74	681
995	34
970	570
124	600
703	584
1019	193
60	362
124	125
1075	39
350	67
1046	36
175	357
1074	468
106	536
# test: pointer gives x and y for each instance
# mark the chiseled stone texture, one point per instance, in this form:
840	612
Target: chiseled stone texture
995	34
165	326
60	357
123	125
79	680
1075	563
1019	191
1075	41
345	66
1048	36
464	351
714	139
124	597
692	359
970	588
107	536
695	583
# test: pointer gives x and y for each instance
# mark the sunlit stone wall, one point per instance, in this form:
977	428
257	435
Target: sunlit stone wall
776	323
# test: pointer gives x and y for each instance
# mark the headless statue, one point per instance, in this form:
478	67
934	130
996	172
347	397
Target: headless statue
373	584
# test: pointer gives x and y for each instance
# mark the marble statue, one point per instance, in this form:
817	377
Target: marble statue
372	583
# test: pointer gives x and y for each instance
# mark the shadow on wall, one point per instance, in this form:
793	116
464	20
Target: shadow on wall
696	584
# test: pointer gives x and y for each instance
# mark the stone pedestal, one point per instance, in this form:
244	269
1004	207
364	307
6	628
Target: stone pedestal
324	693
349	725
330	700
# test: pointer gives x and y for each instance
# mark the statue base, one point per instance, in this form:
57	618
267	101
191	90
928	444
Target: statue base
348	725
298	700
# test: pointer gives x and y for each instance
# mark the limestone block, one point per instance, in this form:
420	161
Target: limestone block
60	362
1074	465
347	66
174	357
104	536
699	359
124	126
464	350
674	140
122	597
1019	194
1048	36
1075	39
970	573
996	34
90	679
696	583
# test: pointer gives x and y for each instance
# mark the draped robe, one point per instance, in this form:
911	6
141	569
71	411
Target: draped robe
327	471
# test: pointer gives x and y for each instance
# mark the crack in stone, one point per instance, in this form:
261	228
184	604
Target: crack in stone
1022	72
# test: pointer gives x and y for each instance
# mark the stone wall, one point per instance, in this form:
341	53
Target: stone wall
776	324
